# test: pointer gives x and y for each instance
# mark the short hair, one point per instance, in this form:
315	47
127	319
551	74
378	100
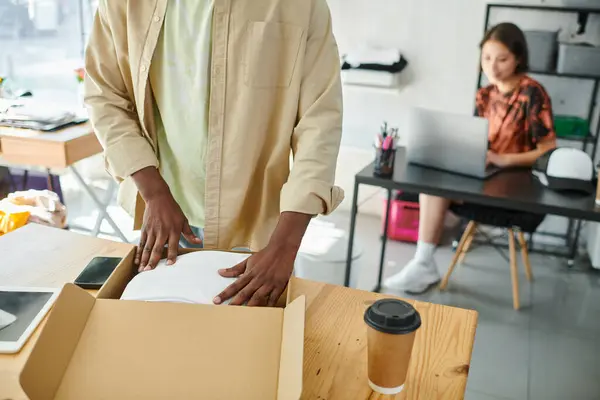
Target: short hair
513	38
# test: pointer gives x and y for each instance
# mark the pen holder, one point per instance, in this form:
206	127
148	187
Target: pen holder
384	162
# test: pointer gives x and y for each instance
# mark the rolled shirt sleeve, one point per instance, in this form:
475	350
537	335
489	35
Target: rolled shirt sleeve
110	105
316	138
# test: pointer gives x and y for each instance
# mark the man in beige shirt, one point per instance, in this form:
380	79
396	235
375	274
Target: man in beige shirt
210	130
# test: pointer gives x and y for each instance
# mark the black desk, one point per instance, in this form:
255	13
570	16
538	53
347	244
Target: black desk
511	189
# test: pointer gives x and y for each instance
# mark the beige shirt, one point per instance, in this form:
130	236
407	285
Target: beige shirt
275	88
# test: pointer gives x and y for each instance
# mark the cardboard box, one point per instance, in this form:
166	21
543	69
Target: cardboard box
105	348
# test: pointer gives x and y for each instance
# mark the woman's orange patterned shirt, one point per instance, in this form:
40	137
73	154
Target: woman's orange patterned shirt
518	120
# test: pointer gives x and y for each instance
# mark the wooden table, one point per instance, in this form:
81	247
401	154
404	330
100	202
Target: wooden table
59	149
36	255
335	338
335	346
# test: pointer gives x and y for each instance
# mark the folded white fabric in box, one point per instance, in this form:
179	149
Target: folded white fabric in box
372	56
194	278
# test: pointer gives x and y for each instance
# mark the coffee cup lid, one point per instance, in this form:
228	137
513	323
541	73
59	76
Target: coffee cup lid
393	316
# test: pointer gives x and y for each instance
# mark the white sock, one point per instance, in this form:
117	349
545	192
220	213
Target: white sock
425	252
419	274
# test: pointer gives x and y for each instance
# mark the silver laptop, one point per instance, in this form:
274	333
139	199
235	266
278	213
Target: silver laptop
450	142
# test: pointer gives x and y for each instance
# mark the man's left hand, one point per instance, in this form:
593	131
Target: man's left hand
262	277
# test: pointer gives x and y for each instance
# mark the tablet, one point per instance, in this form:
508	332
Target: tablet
23	309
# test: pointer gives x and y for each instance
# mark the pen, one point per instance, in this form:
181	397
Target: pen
384	129
388	142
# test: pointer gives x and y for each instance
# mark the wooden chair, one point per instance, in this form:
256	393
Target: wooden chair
516	223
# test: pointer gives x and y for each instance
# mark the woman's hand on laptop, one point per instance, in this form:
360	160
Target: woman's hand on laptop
499	160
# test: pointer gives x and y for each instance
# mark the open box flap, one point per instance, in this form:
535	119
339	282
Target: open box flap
289	386
191	349
116	282
188	350
43	372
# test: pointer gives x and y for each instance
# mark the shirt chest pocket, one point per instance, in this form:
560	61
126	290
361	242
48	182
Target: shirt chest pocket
271	54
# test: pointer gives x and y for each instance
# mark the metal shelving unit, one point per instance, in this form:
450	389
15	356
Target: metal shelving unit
574	228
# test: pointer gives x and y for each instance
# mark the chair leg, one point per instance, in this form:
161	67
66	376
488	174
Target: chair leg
513	269
463	240
525	256
467	246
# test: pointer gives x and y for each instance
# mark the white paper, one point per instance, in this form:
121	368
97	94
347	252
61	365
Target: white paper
194	278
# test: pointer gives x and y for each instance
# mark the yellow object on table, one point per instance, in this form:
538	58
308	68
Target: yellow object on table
11	221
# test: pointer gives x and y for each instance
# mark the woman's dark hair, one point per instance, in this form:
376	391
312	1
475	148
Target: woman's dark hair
513	38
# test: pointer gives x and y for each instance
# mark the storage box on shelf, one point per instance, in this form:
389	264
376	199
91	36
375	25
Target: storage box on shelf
578	59
543	46
569	127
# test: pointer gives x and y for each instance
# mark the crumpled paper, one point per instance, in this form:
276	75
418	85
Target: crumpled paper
42	206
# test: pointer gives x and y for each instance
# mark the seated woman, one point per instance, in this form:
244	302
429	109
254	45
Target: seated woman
521	129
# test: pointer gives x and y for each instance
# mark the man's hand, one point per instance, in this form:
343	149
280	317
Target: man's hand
263	277
499	160
164	222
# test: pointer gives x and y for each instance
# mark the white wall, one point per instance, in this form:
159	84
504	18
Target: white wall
440	39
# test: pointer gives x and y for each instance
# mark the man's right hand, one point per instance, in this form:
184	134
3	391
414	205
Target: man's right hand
164	222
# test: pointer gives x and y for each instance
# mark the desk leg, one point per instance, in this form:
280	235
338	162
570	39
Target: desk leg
25	180
11	181
49	180
575	244
384	239
353	212
103	213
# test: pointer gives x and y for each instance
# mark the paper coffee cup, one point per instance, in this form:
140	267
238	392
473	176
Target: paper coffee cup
391	331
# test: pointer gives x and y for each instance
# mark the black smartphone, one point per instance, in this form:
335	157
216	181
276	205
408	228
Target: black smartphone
97	272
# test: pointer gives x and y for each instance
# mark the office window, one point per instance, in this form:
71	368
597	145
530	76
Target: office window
41	44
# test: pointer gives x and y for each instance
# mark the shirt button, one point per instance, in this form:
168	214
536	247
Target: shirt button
156	18
143	68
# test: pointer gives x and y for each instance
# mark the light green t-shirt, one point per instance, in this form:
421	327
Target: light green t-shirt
180	81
